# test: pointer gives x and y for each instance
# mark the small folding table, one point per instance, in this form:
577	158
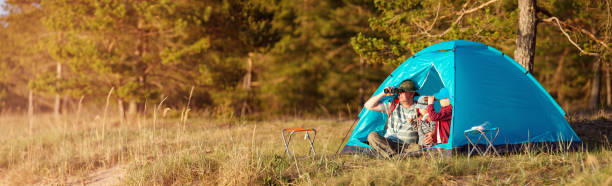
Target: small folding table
487	134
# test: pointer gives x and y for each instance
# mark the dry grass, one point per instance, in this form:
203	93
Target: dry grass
232	152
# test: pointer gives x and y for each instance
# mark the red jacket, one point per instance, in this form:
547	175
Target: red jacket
443	123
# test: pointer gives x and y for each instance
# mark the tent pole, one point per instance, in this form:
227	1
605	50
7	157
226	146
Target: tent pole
347	132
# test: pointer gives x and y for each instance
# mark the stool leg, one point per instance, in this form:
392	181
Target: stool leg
490	146
474	146
496	134
286	144
311	142
477	142
482	134
468	145
288	141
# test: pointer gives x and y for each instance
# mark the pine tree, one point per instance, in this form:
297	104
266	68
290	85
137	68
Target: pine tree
139	47
21	55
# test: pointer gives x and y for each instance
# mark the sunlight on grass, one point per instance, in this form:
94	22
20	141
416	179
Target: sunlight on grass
234	152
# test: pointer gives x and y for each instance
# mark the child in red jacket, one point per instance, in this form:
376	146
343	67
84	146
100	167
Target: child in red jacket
442	118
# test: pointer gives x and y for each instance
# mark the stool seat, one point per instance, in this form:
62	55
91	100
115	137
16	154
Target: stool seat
476	131
298	129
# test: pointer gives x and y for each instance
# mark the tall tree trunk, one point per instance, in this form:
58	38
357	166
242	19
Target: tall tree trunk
362	81
525	40
595	85
558	78
247	85
132	108
121	111
56	106
30	103
79	108
31	109
141	49
65	104
608	83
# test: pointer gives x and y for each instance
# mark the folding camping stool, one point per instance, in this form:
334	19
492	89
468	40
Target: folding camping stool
484	133
292	131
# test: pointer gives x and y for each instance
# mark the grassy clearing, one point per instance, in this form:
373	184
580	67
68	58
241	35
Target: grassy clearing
230	152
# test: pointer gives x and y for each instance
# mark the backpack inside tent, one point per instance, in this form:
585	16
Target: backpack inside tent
485	87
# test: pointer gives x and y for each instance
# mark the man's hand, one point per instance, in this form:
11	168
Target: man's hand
389	90
429	140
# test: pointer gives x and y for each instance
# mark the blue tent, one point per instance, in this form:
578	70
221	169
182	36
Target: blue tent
485	87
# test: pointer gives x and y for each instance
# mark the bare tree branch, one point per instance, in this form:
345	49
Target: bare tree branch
465	4
551	19
573	27
460	15
479	7
435	19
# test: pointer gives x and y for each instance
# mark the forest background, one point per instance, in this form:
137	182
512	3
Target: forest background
263	58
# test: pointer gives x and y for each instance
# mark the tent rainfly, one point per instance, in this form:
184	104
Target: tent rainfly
486	87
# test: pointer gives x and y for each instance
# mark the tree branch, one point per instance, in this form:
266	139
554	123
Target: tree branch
460	14
551	19
581	30
479	7
435	19
565	24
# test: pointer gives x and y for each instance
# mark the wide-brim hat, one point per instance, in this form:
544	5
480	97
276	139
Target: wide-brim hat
408	86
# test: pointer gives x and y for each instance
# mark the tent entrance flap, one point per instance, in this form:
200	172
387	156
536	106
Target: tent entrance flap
431	84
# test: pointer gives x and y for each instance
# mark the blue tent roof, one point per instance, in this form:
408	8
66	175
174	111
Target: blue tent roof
485	86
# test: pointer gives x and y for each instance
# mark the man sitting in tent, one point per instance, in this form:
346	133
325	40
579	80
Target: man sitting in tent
443	118
401	128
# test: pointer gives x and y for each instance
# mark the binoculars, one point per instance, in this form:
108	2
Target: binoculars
394	90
